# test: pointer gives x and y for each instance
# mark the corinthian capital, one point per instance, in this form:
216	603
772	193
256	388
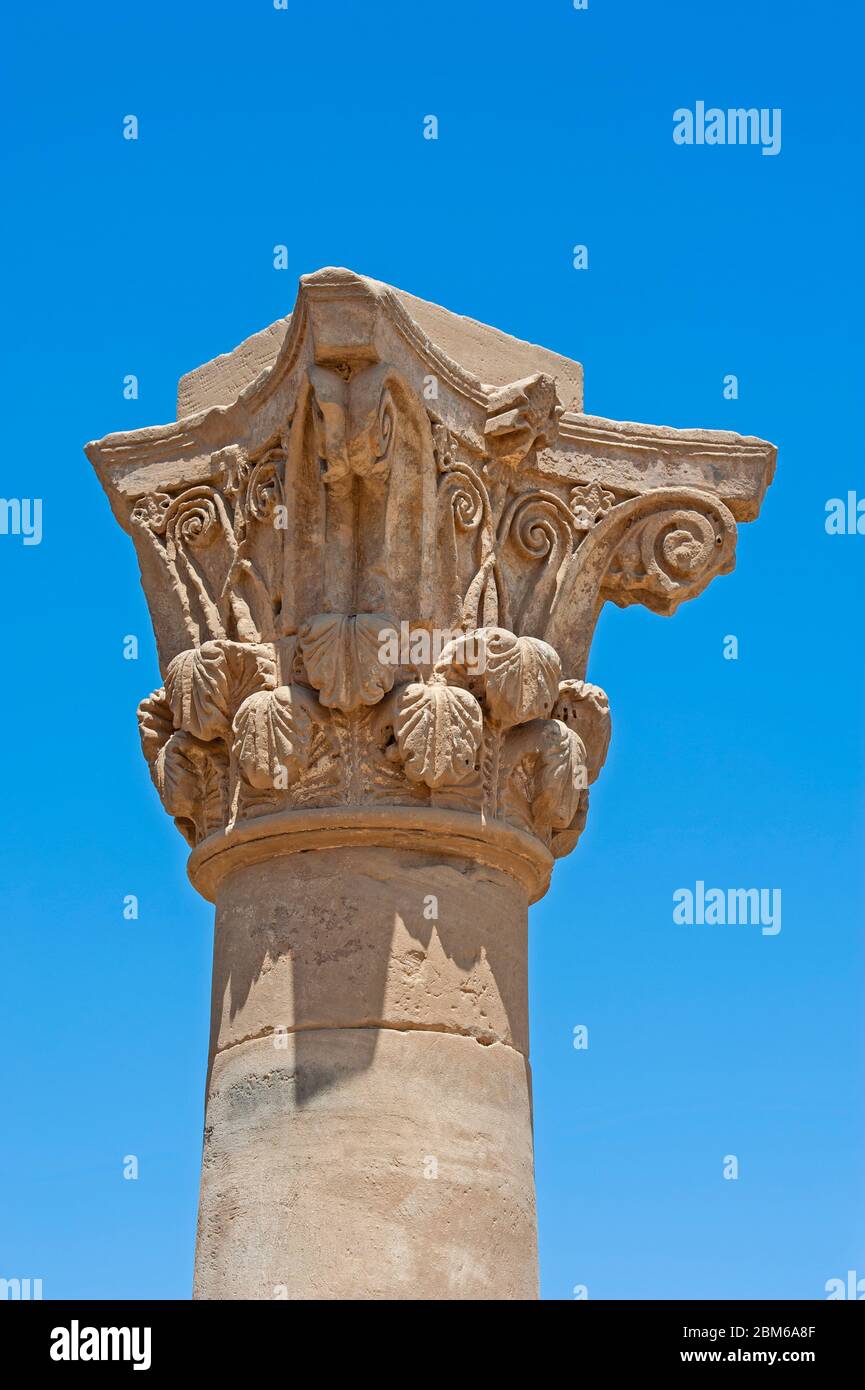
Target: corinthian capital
375	546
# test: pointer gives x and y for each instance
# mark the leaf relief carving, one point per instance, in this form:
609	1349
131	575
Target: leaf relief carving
343	656
273	734
205	685
438	730
520	676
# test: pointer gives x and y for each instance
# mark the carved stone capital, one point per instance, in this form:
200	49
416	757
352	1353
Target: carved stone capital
374	574
375	546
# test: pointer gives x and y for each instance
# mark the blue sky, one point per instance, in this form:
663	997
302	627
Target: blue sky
304	127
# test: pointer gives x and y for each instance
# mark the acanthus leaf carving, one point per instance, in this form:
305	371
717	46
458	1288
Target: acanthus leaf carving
272	736
520	676
437	731
155	725
205	685
544	775
342	657
190	775
585	709
561	777
192	780
563	841
285	533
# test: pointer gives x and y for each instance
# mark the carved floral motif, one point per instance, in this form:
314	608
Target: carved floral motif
272	736
520	678
201	683
438	730
342	658
281	573
589	504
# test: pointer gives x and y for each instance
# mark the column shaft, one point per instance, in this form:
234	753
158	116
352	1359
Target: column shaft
368	1130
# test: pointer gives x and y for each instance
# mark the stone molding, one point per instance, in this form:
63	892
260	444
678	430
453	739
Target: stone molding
452	834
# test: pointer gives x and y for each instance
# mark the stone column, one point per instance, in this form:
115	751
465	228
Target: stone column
375	545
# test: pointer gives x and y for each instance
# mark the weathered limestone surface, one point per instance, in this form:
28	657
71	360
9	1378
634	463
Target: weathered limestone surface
375	545
315	1149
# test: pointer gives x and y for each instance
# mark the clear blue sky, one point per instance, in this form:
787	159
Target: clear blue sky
303	127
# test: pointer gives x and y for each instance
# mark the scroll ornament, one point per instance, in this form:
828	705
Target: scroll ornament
282	574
